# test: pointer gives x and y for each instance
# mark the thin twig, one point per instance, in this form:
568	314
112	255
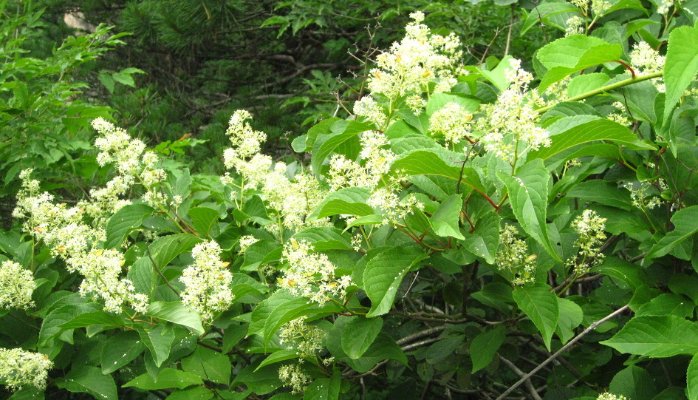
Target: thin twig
517	371
562	349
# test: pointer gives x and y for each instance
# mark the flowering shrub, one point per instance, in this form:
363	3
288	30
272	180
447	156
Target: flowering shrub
469	231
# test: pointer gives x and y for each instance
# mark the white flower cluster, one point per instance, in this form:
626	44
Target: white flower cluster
292	199
513	257
574	25
368	108
207	282
641	194
305	339
509	125
311	275
665	6
598	7
134	165
619	116
69	237
452	122
590	228
646	60
16	286
245	242
421	58
373	175
20	368
611	396
293	377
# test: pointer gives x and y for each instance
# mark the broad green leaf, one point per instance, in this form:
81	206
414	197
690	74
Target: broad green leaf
656	337
541	306
681	65
204	220
485	345
593	129
692	379
585	83
685	223
165	249
631	274
446	220
159	341
348	201
195	393
483	242
432	162
634	383
88	379
261	381
439	100
94	318
209	365
121	349
177	313
574	53
125	220
142	274
498	75
324	238
325	388
358	335
528	195
552	13
571	315
602	192
261	312
343	132
667	304
277	357
168	378
384	273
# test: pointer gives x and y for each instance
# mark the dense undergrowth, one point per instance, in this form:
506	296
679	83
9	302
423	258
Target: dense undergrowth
452	225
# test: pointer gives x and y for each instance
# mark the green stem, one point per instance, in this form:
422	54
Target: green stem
606	88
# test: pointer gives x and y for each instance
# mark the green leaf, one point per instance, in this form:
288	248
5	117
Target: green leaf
384	273
685	223
591	129
121	349
681	65
439	100
177	313
483	242
541	306
195	393
343	132
123	221
165	249
159	341
358	335
528	195
551	13
692	379
571	315
446	219
656	337
88	379
349	201
168	378
485	345
324	238
425	162
324	388
602	192
204	220
277	357
634	383
209	365
574	53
